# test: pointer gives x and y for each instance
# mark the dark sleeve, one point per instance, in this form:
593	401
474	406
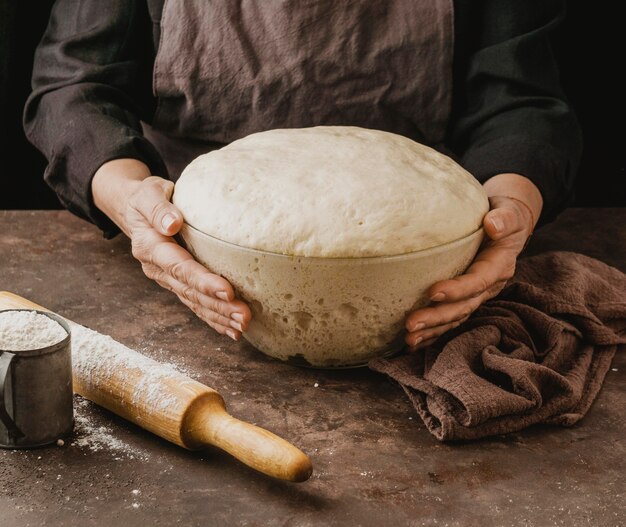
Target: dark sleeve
509	113
91	86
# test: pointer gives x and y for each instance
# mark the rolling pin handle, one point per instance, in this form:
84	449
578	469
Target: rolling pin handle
263	451
254	446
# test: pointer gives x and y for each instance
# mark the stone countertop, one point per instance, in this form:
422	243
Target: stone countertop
374	462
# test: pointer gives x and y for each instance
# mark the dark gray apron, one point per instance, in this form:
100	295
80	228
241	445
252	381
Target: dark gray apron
228	68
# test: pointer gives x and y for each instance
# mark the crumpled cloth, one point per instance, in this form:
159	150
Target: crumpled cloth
537	353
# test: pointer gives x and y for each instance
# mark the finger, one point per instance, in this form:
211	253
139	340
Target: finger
152	201
492	265
151	247
235	314
210	318
220	323
179	263
197	276
514	213
432	316
415	338
437	315
503	221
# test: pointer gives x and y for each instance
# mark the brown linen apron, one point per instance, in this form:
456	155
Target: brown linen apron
228	68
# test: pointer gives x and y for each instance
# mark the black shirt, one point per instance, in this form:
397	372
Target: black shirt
92	84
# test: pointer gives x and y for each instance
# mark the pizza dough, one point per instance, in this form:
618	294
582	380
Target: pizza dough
330	191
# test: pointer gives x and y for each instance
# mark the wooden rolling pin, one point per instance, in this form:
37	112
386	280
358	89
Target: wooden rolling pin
168	403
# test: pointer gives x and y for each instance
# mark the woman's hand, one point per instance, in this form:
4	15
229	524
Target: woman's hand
515	207
140	205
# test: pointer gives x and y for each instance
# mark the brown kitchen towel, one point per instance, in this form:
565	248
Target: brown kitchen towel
537	353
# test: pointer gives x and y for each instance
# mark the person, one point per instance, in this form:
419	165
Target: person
126	92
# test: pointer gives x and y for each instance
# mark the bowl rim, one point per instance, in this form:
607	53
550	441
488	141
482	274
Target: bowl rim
393	257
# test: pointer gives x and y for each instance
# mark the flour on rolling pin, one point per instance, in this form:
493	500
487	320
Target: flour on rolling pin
98	358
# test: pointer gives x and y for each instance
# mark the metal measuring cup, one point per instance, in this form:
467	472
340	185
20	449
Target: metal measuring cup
36	392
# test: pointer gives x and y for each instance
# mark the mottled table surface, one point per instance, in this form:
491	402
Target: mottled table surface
375	464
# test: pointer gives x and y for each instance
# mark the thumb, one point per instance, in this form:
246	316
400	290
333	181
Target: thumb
501	221
152	201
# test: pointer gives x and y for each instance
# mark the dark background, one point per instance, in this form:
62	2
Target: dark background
587	47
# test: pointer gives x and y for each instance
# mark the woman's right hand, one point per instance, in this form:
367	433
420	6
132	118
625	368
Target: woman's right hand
140	205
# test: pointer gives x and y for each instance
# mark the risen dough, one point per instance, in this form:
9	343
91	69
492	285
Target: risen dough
330	191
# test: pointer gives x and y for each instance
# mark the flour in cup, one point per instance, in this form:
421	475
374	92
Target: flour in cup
28	330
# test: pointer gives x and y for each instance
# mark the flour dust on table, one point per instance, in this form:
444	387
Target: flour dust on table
93	436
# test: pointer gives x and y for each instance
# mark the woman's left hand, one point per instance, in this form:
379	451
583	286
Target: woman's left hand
508	226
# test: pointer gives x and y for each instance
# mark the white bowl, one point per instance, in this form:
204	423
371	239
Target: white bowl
330	312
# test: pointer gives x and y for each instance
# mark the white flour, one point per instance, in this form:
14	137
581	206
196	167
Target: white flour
97	359
96	438
27	330
105	364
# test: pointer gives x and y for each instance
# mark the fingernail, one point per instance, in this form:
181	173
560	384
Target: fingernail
418	326
236	325
167	221
418	340
438	297
237	316
222	295
231	334
497	224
